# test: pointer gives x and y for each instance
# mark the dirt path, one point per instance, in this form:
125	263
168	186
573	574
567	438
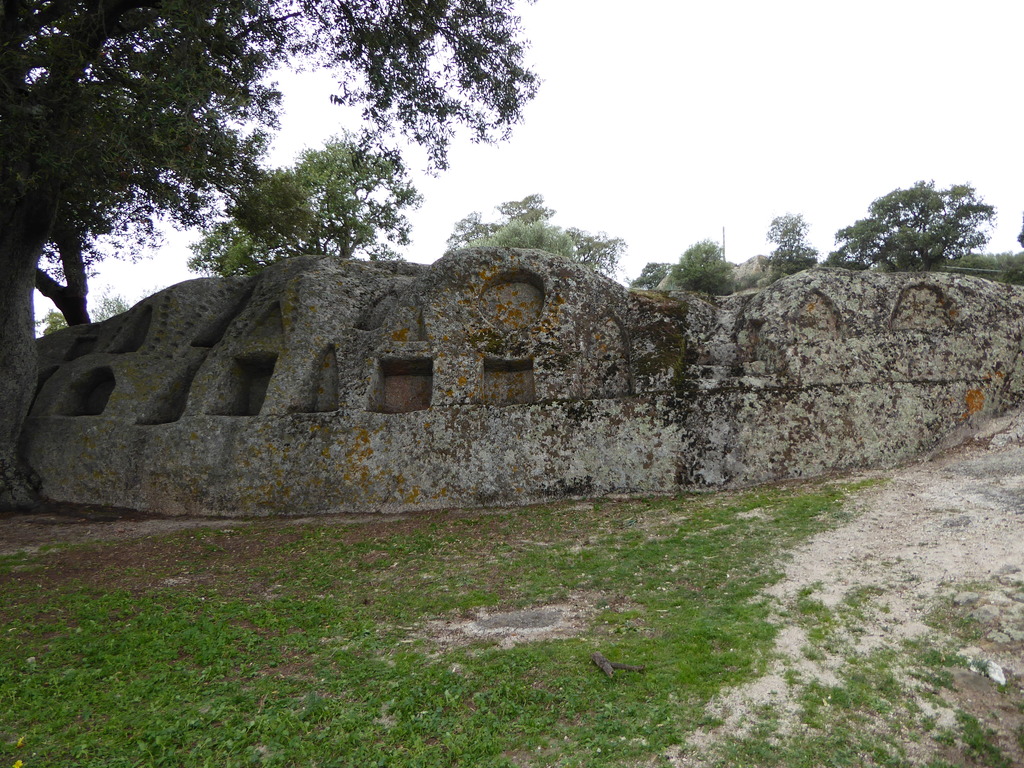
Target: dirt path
947	531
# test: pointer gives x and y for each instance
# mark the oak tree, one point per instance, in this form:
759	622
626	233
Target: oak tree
793	252
158	104
525	224
343	200
915	230
651	275
703	269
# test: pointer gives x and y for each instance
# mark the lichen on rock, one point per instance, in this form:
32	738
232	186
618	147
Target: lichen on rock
498	376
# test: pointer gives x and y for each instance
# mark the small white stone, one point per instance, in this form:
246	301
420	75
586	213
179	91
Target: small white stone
995	672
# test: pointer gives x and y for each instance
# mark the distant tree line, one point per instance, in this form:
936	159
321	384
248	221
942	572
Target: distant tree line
908	230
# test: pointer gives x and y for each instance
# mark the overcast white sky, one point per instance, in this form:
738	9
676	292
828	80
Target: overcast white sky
664	122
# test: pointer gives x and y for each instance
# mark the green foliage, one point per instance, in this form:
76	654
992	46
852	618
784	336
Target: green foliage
160	107
342	201
703	269
538	234
651	276
915	230
529	210
145	101
1001	267
52	322
108	306
1020	237
793	252
154	126
469	230
525	224
599	252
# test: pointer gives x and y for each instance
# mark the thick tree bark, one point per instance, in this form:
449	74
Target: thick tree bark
71	303
23	230
70	299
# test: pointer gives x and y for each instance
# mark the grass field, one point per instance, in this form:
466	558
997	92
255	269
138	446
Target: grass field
313	644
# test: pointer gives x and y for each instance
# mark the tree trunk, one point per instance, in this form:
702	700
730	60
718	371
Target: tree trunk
23	230
70	299
71	303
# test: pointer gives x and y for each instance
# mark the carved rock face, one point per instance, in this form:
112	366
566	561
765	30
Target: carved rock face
500	376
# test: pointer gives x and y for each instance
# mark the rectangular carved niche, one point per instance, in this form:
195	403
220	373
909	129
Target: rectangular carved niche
402	385
508	382
246	385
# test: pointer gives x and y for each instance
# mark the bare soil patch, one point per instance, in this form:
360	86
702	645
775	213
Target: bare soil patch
946	531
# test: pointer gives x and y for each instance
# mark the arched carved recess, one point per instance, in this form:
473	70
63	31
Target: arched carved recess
513	300
133	335
81	346
816	318
323	395
215	328
245	385
168	405
606	360
41	379
923	308
88	395
748	339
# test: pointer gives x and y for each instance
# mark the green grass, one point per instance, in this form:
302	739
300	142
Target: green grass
283	645
875	713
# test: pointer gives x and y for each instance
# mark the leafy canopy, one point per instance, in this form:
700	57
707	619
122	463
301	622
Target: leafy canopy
703	269
793	253
342	200
651	275
113	113
159	106
915	230
525	224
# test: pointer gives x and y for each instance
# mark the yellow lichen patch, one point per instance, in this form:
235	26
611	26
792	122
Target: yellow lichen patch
811	306
402	334
463	381
975	401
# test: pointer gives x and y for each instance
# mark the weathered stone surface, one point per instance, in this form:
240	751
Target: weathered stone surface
506	377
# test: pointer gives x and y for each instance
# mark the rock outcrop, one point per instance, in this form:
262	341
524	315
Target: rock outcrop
506	377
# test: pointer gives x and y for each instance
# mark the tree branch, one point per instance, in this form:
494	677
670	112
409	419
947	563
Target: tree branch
47	286
70	303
